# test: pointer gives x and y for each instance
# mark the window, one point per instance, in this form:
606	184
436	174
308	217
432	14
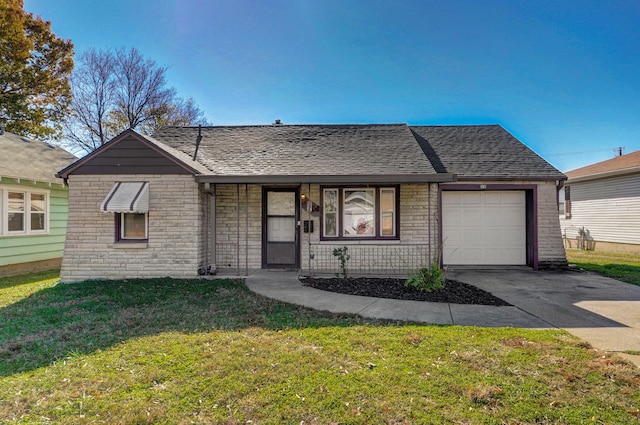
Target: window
129	203
564	202
131	226
359	213
23	211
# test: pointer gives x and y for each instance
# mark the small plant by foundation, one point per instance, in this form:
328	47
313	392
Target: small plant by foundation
343	256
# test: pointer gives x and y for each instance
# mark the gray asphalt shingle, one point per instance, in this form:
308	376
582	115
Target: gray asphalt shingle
30	159
302	149
470	152
482	151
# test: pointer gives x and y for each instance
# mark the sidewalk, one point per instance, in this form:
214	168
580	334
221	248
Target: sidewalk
599	310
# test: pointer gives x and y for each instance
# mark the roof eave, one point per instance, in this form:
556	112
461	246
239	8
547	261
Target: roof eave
325	179
511	178
606	174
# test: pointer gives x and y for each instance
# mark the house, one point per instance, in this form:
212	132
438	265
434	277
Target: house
33	204
232	199
600	206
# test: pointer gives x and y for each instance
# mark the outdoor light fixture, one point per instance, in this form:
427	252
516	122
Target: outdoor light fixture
303	197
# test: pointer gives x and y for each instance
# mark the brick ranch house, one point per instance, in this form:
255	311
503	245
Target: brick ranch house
234	199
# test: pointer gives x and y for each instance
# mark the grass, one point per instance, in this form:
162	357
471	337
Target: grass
624	267
164	351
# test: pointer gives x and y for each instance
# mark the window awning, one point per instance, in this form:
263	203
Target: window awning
131	197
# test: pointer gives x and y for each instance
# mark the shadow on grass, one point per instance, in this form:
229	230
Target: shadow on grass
81	318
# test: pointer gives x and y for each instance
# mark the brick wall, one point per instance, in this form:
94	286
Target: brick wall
175	230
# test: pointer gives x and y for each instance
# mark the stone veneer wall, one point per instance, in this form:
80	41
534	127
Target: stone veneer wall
239	232
175	244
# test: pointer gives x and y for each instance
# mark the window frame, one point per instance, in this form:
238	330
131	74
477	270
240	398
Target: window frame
120	236
27	212
339	212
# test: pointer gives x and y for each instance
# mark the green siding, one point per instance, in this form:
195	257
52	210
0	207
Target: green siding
28	248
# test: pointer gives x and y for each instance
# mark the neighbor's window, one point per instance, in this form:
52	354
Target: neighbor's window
359	212
16	210
23	212
132	226
564	202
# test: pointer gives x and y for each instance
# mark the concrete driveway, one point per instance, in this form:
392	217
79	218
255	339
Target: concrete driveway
605	312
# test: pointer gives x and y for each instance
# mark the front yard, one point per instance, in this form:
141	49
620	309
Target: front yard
166	351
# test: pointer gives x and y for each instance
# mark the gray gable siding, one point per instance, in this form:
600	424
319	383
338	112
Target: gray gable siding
130	156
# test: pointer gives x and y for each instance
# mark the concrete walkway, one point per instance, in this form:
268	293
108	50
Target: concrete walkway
602	311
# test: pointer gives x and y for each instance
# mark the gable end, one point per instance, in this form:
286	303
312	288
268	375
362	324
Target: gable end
128	154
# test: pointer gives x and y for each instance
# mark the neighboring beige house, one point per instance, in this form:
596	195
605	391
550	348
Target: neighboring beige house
231	200
600	206
33	204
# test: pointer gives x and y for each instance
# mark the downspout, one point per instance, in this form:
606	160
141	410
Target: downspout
246	229
309	208
211	228
238	228
429	220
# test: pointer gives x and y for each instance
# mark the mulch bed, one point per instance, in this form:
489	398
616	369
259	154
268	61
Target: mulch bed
453	292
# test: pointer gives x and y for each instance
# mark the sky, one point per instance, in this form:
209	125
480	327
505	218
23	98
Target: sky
563	76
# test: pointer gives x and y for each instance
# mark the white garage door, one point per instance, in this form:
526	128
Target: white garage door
484	227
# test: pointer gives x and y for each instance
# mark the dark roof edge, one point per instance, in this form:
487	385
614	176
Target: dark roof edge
561	177
343	179
65	172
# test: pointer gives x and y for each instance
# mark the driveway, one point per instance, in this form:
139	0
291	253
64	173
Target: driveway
603	311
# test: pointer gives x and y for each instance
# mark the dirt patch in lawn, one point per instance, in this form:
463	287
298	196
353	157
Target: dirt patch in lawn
453	292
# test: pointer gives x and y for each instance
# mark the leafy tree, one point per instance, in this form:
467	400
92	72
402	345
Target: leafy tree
114	91
35	66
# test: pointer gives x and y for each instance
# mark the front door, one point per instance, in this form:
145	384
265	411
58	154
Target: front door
280	246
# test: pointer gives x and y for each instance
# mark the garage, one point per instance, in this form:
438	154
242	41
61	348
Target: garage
484	227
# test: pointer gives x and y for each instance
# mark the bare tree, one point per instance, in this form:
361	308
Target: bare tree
93	87
116	91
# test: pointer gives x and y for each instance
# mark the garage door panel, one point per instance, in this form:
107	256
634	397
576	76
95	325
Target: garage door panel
471	217
469	198
484	227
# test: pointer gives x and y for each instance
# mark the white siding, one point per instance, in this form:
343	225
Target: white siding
609	209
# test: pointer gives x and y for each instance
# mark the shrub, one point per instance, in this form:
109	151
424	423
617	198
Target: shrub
427	279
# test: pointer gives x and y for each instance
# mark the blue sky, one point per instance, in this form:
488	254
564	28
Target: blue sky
563	76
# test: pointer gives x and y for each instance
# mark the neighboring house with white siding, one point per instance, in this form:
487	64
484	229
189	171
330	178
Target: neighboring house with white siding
600	206
233	199
33	204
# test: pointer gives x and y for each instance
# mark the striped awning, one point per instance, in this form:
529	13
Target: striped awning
130	197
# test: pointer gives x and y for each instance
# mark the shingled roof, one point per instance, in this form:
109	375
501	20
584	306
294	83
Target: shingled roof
28	159
313	152
474	152
624	164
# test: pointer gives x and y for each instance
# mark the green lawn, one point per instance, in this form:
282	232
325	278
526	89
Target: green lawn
624	267
166	351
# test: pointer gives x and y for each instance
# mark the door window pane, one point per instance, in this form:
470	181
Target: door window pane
281	203
281	229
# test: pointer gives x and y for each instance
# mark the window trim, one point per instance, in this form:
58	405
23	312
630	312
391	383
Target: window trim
119	229
27	212
377	214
